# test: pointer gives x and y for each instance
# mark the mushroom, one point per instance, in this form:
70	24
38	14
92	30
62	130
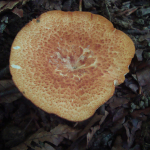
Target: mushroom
67	63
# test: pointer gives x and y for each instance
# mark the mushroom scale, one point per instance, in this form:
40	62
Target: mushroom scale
66	62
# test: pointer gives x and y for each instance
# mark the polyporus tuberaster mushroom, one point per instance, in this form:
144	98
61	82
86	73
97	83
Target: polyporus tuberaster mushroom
67	62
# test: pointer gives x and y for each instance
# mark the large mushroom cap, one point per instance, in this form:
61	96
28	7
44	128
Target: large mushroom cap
67	62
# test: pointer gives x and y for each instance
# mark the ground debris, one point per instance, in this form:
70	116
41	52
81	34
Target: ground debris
9	5
122	123
55	136
8	91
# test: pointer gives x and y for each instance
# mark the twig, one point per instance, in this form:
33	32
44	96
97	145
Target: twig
137	31
127	12
80	5
108	10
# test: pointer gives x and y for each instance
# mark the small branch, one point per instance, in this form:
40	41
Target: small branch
80	5
108	10
137	31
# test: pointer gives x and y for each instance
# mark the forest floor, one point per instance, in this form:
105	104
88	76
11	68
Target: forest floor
122	123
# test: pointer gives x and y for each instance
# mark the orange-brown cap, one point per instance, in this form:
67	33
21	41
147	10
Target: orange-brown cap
66	63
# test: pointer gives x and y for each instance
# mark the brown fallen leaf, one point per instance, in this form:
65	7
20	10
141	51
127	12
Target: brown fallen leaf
120	113
94	119
130	131
117	102
64	131
103	117
55	136
85	131
8	91
45	147
12	135
118	144
140	113
143	76
2	4
132	84
117	125
95	128
10	4
91	133
18	12
138	54
48	147
67	5
89	3
144	37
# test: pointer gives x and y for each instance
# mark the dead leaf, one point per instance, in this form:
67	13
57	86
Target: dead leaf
55	136
12	135
144	37
57	5
48	5
101	140
103	117
18	12
120	113
118	144
8	91
44	147
138	54
10	4
2	4
143	76
140	113
132	84
48	147
94	119
67	5
66	131
89	3
91	133
130	131
117	102
20	147
117	125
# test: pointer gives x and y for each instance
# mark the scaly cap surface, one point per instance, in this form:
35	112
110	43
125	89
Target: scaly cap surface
66	63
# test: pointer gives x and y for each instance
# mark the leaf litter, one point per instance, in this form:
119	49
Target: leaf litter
54	136
122	123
